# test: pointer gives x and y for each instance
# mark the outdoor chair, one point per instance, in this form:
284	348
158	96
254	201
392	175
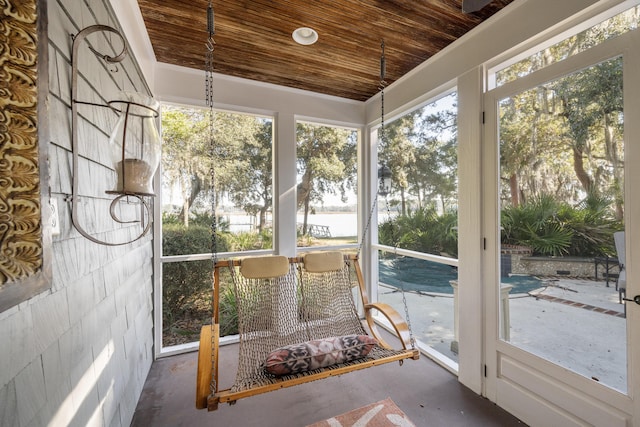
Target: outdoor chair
621	282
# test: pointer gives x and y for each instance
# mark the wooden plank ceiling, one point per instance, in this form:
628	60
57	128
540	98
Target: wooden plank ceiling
253	38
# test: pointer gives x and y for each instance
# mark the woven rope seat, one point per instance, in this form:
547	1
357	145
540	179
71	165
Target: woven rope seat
285	302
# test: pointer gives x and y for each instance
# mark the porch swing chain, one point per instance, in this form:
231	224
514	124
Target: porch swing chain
383	84
368	224
404	295
213	387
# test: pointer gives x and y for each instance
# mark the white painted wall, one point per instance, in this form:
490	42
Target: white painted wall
79	353
185	85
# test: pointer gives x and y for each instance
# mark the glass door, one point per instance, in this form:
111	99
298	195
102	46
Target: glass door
559	145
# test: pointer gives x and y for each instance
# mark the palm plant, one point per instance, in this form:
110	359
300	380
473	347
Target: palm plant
422	230
556	228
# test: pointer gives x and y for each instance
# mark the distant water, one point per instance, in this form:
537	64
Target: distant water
340	224
413	274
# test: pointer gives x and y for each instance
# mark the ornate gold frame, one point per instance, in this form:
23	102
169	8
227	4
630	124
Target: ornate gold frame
25	235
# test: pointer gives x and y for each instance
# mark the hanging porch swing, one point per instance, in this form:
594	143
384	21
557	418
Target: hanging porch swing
297	317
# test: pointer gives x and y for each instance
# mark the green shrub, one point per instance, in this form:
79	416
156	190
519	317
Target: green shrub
546	225
228	310
535	224
422	230
187	286
245	240
203	219
180	240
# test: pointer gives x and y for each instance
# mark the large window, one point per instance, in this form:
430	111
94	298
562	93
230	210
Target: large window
418	221
237	164
327	203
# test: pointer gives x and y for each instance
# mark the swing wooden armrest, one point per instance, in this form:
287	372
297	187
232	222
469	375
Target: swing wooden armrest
205	367
399	325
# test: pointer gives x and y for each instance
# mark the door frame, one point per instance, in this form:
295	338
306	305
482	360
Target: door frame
532	388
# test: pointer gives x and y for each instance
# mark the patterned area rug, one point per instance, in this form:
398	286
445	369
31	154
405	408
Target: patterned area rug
380	414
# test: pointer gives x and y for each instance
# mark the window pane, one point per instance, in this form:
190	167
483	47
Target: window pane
573	45
420	214
186	301
243	200
429	289
327	184
242	160
561	169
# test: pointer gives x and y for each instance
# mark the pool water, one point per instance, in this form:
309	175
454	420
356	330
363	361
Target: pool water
426	276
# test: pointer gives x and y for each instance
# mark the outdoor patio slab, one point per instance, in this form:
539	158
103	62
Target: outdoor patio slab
576	323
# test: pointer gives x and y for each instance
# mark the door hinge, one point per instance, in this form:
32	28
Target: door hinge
485	371
484	243
483	117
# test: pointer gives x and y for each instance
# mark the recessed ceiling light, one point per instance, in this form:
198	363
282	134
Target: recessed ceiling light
305	35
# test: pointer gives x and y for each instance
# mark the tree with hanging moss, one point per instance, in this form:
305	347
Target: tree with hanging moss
420	148
248	176
565	137
241	158
185	163
397	150
326	164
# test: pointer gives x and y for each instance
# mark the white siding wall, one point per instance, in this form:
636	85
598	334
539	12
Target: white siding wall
79	353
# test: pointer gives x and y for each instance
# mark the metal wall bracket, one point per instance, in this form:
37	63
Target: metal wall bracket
77	40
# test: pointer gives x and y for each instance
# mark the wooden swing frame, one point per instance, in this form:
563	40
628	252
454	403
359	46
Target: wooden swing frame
207	394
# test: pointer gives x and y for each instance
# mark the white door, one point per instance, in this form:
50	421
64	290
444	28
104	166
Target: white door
559	350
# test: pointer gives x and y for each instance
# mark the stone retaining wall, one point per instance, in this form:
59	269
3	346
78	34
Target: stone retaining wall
519	260
553	266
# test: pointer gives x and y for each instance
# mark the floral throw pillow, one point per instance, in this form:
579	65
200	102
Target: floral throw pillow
315	354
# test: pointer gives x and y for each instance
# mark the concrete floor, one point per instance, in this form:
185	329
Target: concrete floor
428	395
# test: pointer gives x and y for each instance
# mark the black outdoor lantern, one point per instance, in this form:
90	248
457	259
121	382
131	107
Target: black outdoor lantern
384	180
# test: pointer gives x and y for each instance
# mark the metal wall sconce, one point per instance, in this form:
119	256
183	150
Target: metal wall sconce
134	143
384	180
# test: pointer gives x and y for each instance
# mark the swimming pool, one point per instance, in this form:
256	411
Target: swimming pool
414	274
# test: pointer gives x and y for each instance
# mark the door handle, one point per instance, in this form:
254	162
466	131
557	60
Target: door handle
635	299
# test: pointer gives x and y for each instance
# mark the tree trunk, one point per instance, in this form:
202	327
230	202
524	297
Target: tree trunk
196	187
304	197
306	216
617	166
578	167
403	202
514	190
185	212
303	190
263	218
